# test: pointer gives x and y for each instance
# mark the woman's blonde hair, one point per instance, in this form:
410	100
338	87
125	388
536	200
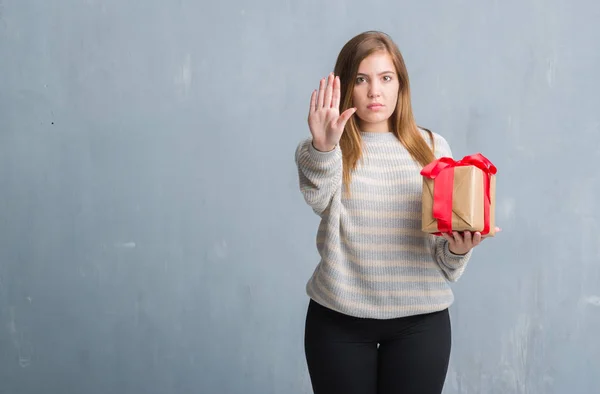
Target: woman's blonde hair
402	122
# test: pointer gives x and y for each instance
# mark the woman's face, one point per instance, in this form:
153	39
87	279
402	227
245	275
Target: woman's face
375	93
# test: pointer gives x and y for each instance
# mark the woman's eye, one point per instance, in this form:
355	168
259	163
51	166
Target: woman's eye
360	79
387	78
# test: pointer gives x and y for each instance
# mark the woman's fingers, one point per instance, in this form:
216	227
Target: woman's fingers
448	238
467	237
327	96
457	237
329	91
321	97
313	102
336	93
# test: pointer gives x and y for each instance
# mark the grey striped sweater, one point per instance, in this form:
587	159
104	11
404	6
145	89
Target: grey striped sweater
375	260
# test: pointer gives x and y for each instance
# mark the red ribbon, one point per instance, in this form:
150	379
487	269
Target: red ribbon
444	185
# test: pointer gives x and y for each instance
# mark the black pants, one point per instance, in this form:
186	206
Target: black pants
343	355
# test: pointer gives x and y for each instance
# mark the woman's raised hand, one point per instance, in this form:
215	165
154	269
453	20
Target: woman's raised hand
324	119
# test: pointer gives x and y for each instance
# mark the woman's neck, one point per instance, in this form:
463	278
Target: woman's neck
382	127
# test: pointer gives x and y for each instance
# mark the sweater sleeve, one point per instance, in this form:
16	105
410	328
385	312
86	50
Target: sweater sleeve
452	265
319	173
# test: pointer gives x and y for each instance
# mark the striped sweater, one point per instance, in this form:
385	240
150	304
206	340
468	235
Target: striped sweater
375	262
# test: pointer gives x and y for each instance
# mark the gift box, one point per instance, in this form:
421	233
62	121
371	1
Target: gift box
459	195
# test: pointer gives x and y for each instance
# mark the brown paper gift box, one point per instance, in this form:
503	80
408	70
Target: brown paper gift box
467	201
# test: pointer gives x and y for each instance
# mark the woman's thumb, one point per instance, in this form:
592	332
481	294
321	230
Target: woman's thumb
345	116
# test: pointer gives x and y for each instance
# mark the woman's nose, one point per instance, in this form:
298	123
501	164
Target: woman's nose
374	90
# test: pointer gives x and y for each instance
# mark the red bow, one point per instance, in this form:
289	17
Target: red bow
442	192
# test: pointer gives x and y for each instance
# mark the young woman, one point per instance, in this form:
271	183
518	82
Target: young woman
378	320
